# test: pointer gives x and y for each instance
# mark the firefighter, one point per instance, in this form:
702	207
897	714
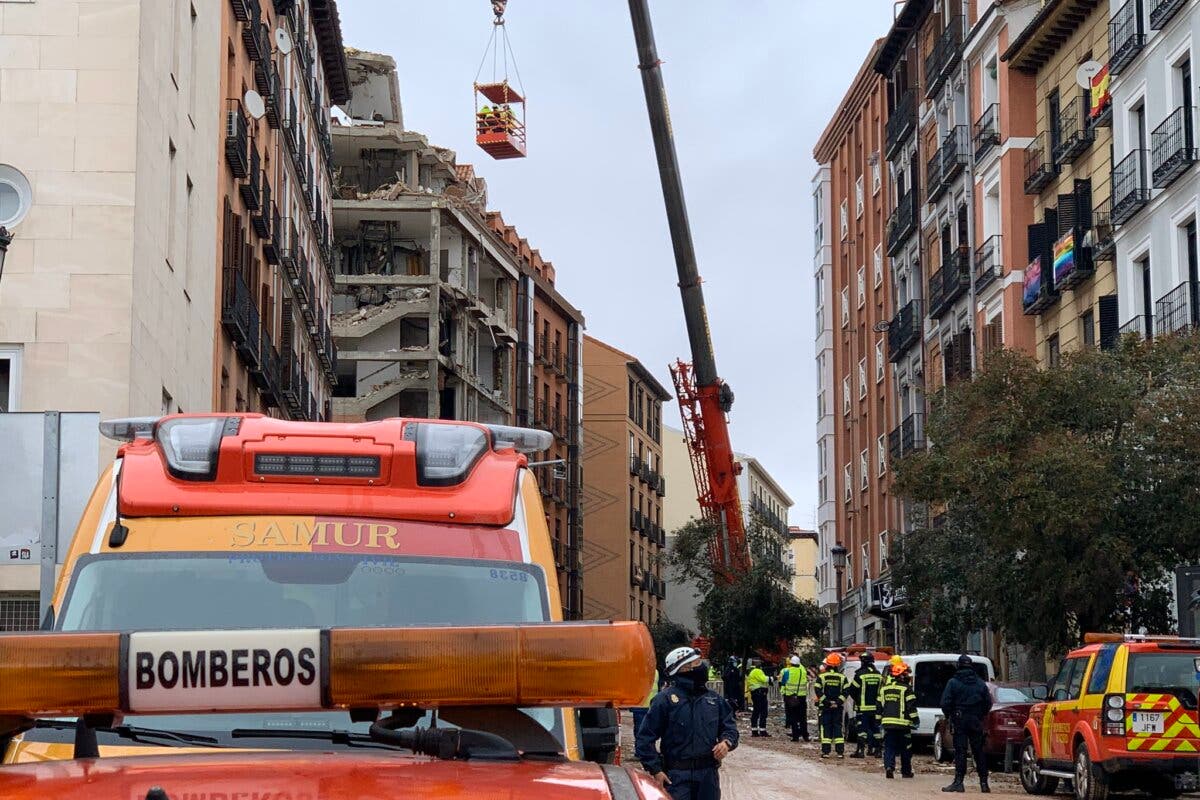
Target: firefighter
694	728
899	708
831	692
793	685
757	684
888	675
864	690
965	702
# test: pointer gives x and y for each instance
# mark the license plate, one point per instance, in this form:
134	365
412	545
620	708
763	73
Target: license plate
1146	722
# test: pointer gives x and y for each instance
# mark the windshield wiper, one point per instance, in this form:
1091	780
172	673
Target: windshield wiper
347	738
444	743
133	733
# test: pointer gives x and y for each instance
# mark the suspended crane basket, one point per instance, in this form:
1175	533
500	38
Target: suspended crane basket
499	106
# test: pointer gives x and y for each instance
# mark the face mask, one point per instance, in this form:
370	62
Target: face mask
697	675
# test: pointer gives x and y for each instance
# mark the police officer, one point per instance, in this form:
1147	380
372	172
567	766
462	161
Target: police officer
734	688
898	703
757	684
694	727
793	685
965	702
831	692
864	690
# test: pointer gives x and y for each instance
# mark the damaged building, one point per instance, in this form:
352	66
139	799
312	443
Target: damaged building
425	308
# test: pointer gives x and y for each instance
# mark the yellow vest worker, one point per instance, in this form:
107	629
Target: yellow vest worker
793	685
756	686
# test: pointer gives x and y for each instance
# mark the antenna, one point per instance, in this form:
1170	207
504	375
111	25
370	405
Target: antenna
283	41
255	106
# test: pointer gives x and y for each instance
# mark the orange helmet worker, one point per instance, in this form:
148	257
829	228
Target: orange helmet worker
831	691
833	661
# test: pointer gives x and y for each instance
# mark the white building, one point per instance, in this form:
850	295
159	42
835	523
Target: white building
1155	181
826	490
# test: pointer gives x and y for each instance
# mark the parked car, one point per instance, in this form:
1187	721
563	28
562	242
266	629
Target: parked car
931	673
1004	724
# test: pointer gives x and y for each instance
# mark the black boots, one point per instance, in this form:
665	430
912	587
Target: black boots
983	786
889	774
957	786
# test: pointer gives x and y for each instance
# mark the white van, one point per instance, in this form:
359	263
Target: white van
931	673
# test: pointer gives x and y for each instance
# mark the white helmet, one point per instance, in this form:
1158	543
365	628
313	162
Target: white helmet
795	662
680	656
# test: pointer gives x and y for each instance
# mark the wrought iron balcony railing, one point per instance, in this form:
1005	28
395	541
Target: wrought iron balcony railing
988	263
907	437
1126	37
954	153
901	123
986	131
904	330
1140	326
1177	310
1040	169
1172	147
1130	189
934	185
239	315
251	188
950	282
902	224
237	139
944	55
1075	135
1161	12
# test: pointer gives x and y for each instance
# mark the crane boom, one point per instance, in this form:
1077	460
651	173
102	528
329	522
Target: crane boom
704	399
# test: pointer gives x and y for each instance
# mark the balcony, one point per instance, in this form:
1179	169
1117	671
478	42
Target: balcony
262	217
1038	292
241	10
1161	12
1140	326
1103	246
291	121
988	264
289	250
944	56
901	123
956	358
934	186
635	575
259	372
1075	136
635	466
906	438
237	139
266	81
1176	311
902	224
954	154
1039	169
271	248
904	330
254	34
290	381
251	190
1172	147
239	316
1130	190
1126	38
950	282
985	133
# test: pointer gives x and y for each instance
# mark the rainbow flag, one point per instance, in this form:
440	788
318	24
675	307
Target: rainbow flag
1064	257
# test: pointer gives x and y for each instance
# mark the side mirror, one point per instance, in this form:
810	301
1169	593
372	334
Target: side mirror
1039	692
1060	694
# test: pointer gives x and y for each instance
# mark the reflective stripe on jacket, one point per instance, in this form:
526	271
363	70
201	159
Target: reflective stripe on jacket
794	681
865	689
899	704
831	686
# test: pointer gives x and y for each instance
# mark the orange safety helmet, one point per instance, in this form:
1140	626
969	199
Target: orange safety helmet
833	660
899	669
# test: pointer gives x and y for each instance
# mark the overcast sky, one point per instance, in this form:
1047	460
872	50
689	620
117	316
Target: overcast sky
751	84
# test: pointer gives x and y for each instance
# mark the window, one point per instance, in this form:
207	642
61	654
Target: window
1147	297
876	175
845	307
1102	668
846	395
881	453
883	551
10	378
1075	687
879	361
822	452
849	571
858	197
167	401
823	490
862	286
1087	328
864	471
845	219
862	379
848	477
878	265
1054	353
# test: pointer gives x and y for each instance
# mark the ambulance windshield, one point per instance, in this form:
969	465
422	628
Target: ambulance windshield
197	591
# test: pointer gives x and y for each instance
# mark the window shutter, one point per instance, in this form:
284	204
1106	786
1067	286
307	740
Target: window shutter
1083	203
1038	235
1108	322
1066	213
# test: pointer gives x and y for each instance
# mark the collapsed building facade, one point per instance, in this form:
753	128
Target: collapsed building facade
442	310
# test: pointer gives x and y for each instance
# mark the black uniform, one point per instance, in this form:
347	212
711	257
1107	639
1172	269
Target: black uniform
735	688
899	712
864	691
687	721
965	702
831	690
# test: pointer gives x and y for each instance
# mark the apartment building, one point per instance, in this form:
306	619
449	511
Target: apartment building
1155	183
802	560
426	306
1002	105
764	502
1069	283
109	147
549	395
623	486
284	67
827	498
853	253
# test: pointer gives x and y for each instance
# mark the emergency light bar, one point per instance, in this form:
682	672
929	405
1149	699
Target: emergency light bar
307	669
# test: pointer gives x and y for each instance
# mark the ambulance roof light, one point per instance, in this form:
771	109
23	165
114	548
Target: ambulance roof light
191	444
446	452
127	429
523	440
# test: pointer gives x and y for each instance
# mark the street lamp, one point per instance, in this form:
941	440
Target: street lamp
839	566
5	240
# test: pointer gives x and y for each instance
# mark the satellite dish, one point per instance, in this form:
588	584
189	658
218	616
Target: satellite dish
255	106
881	326
1087	70
283	41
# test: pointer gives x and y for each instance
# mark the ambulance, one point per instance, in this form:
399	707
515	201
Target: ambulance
228	522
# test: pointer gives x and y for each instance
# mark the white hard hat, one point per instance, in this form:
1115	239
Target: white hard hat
795	661
680	656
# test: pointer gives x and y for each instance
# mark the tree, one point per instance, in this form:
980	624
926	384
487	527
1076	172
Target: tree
668	635
1060	500
754	612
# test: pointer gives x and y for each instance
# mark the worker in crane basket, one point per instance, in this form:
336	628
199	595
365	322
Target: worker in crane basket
693	726
831	704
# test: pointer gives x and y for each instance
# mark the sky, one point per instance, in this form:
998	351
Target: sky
751	85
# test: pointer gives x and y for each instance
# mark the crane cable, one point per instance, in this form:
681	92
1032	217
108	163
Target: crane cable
498	50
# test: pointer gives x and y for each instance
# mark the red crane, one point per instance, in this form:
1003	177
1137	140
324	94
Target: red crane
704	399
